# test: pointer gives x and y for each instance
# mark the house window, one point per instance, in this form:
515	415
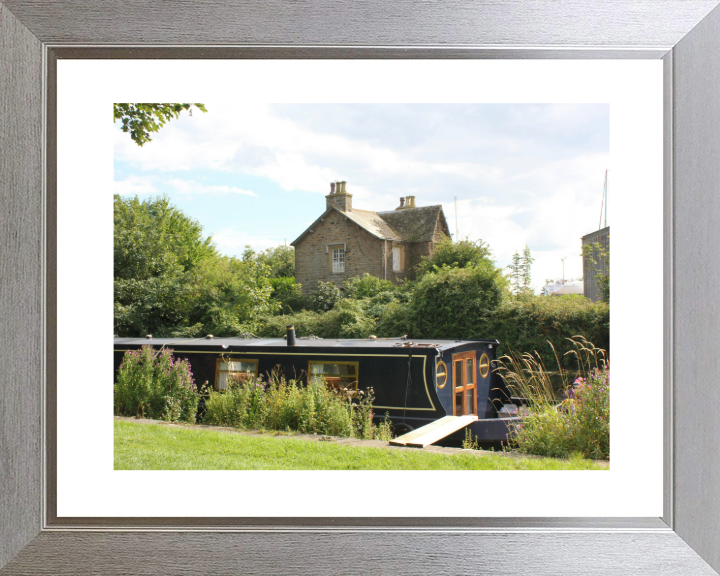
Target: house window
338	260
227	371
397	267
337	375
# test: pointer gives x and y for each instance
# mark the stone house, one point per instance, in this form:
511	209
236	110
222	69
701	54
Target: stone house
345	242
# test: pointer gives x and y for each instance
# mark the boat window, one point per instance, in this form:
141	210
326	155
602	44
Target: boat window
484	366
227	370
337	375
441	374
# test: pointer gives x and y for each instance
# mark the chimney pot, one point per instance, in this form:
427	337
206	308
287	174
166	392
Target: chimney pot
290	335
339	197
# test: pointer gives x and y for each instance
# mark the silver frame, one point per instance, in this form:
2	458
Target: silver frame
684	33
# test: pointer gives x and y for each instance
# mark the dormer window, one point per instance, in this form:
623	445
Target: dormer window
338	260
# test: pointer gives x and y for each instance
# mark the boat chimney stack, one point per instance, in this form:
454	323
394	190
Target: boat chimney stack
291	335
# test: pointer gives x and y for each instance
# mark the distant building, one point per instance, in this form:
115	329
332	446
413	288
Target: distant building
345	242
602	238
562	287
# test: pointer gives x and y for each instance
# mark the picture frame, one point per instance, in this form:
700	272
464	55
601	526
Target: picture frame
685	34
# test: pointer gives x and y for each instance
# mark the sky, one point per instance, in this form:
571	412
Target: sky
523	174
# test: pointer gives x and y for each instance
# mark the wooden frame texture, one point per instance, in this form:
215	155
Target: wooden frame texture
685	34
462	386
232	359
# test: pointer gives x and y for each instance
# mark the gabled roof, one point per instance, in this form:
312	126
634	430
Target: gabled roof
414	224
409	225
373	223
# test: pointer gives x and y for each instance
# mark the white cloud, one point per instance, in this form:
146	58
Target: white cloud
232	241
191	187
531	177
135	185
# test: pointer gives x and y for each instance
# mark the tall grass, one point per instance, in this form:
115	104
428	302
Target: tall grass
578	421
155	385
275	403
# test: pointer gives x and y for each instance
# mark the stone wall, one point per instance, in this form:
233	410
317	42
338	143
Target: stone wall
363	253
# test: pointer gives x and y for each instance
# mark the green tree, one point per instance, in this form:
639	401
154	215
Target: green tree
229	295
153	238
461	254
515	268
142	119
454	302
526	269
521	272
280	261
156	247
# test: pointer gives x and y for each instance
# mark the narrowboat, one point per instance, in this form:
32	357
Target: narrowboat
415	382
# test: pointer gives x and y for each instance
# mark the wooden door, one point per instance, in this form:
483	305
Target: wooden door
464	377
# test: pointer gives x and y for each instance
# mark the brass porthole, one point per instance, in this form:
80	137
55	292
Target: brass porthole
484	366
441	375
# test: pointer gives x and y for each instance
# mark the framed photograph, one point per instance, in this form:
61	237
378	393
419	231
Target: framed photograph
177	530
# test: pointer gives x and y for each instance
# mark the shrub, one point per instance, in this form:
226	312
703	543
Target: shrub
395	319
579	423
529	323
346	320
155	385
326	296
453	302
461	254
367	286
288	294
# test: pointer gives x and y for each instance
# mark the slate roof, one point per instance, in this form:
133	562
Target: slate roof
414	224
410	225
373	223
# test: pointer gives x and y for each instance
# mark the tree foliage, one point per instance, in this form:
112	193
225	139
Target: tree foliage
521	272
142	119
288	294
279	260
326	296
366	286
169	279
450	302
461	254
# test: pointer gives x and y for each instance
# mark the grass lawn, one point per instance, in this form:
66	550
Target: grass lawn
160	447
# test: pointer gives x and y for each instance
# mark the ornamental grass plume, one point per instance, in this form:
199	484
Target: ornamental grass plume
577	420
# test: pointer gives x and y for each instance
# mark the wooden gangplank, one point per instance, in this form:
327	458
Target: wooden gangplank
431	433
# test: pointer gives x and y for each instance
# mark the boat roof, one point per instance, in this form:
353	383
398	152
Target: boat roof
375	343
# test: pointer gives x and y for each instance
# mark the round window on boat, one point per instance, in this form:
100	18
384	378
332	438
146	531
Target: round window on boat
441	378
484	366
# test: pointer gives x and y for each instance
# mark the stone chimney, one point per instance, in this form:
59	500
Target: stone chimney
339	197
407	202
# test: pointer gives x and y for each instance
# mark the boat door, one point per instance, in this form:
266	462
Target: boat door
464	370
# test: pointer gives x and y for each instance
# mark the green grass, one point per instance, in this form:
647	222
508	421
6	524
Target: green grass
161	447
